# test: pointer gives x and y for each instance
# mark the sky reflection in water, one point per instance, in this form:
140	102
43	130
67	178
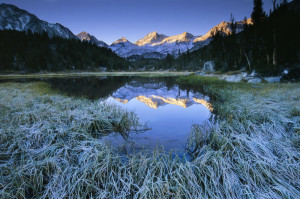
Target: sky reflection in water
168	108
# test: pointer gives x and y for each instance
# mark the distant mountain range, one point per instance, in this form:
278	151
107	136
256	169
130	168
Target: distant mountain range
153	45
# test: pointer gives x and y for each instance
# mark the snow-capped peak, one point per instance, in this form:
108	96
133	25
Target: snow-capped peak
184	37
121	40
150	38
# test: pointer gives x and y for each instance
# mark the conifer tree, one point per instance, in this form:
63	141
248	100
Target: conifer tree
258	13
232	24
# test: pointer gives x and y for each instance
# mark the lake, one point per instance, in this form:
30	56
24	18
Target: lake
169	110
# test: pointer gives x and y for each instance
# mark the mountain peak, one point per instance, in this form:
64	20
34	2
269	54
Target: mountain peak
121	40
83	33
184	37
223	26
84	36
150	38
187	35
153	33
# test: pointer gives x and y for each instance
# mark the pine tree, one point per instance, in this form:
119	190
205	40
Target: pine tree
232	24
258	15
274	4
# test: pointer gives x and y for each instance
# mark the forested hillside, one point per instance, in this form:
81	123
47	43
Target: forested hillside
268	46
33	52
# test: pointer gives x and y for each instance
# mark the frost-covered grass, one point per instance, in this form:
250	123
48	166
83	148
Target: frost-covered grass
48	150
94	74
253	148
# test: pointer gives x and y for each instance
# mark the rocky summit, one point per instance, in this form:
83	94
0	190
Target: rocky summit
84	36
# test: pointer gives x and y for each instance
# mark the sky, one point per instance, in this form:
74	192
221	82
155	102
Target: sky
109	20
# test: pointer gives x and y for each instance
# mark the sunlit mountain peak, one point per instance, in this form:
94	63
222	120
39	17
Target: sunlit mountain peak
184	37
121	40
150	38
225	28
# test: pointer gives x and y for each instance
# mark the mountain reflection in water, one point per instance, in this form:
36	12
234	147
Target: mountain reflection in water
168	108
156	94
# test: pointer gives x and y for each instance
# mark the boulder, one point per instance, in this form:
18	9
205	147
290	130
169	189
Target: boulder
253	73
234	78
255	80
209	67
244	74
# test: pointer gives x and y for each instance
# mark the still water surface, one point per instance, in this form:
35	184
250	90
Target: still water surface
167	108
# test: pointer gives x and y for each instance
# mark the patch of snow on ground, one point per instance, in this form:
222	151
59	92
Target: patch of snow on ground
272	79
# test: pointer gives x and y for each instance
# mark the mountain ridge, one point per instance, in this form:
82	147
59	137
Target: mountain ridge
155	45
14	18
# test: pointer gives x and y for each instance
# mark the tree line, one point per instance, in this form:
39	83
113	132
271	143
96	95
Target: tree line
33	52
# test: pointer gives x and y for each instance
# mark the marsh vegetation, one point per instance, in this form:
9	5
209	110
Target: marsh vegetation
48	150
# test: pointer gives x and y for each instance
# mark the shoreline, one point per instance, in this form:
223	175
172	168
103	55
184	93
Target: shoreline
91	74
